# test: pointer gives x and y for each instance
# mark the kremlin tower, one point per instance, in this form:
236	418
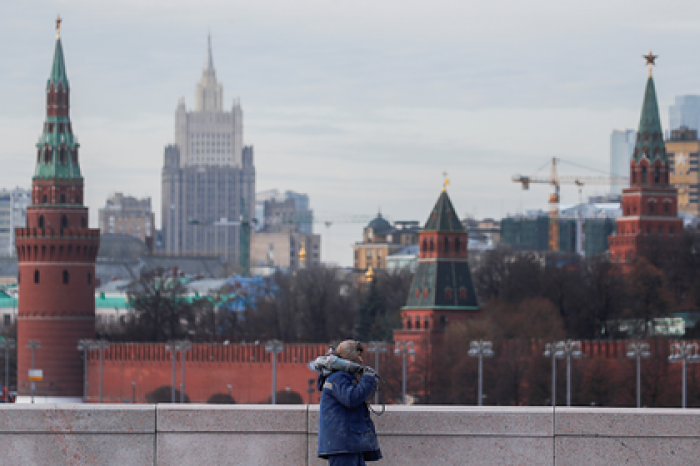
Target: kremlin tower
442	291
56	254
650	204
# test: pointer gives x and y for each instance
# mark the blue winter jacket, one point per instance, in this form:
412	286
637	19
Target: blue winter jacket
344	423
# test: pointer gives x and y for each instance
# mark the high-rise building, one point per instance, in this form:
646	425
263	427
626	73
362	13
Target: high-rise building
127	215
621	148
683	150
56	254
276	211
13	214
685	112
208	178
650	204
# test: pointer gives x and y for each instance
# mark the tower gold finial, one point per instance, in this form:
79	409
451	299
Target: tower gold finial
302	252
445	182
650	60
58	26
369	275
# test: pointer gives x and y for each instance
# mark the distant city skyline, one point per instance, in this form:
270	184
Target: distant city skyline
361	105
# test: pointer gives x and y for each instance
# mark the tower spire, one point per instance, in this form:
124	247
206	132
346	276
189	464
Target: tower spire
650	142
209	64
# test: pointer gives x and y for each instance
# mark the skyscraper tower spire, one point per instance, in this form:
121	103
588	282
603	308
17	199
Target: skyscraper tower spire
56	252
650	204
209	95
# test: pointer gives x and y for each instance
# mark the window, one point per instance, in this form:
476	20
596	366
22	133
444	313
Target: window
457	245
666	207
408	324
41	221
63	198
66	277
657	175
448	293
7	320
644	175
432	245
64	221
417	323
425	245
443	322
426	324
651	208
462	293
425	293
417	293
36	276
44	199
447	245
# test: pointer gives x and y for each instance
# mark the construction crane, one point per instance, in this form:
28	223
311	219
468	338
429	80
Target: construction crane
556	180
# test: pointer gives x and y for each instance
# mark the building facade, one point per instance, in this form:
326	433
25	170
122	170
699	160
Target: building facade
381	239
621	148
13	214
56	252
685	112
208	177
127	215
650	204
281	250
683	149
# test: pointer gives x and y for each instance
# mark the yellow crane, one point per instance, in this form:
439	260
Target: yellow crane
556	180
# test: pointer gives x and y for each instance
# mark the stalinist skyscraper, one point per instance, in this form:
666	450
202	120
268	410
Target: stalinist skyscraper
208	178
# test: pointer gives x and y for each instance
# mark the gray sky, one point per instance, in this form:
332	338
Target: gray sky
361	104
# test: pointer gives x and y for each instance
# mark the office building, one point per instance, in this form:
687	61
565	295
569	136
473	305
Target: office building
621	148
683	148
208	178
685	113
13	214
127	215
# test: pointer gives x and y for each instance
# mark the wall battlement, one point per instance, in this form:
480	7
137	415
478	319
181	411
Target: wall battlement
287	435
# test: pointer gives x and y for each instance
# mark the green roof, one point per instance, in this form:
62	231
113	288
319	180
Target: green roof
443	216
58	69
650	139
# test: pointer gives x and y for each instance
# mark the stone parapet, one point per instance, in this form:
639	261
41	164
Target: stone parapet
287	435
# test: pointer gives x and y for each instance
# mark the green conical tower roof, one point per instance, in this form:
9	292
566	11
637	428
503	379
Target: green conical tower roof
443	216
57	147
650	141
58	69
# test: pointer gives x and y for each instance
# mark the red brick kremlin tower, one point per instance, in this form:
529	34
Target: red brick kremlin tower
56	253
442	290
650	204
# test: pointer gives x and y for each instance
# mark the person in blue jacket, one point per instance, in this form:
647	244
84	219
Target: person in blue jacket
346	435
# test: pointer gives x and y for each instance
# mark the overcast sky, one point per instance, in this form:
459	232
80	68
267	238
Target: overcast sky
361	104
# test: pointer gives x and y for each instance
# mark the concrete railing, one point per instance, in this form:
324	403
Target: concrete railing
201	435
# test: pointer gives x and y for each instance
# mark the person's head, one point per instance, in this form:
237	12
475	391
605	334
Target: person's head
351	350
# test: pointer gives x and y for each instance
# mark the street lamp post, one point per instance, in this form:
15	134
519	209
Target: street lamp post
172	347
560	350
133	392
376	348
404	348
481	349
7	344
685	353
33	345
183	346
85	346
310	390
101	345
274	347
638	351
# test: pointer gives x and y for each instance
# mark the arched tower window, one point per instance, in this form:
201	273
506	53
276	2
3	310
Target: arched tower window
447	245
41	221
89	277
651	208
457	245
47	155
408	324
36	276
38	156
644	175
432	245
426	324
448	293
657	174
66	277
45	199
417	323
83	222
63	198
425	245
75	155
64	221
62	155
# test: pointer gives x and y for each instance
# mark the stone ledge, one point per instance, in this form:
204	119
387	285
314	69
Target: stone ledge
627	422
232	418
77	418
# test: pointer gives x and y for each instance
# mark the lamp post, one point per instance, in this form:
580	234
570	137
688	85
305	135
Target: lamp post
101	345
33	345
7	344
376	348
404	348
638	351
133	392
85	346
274	347
481	349
685	353
183	346
173	356
571	350
310	390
